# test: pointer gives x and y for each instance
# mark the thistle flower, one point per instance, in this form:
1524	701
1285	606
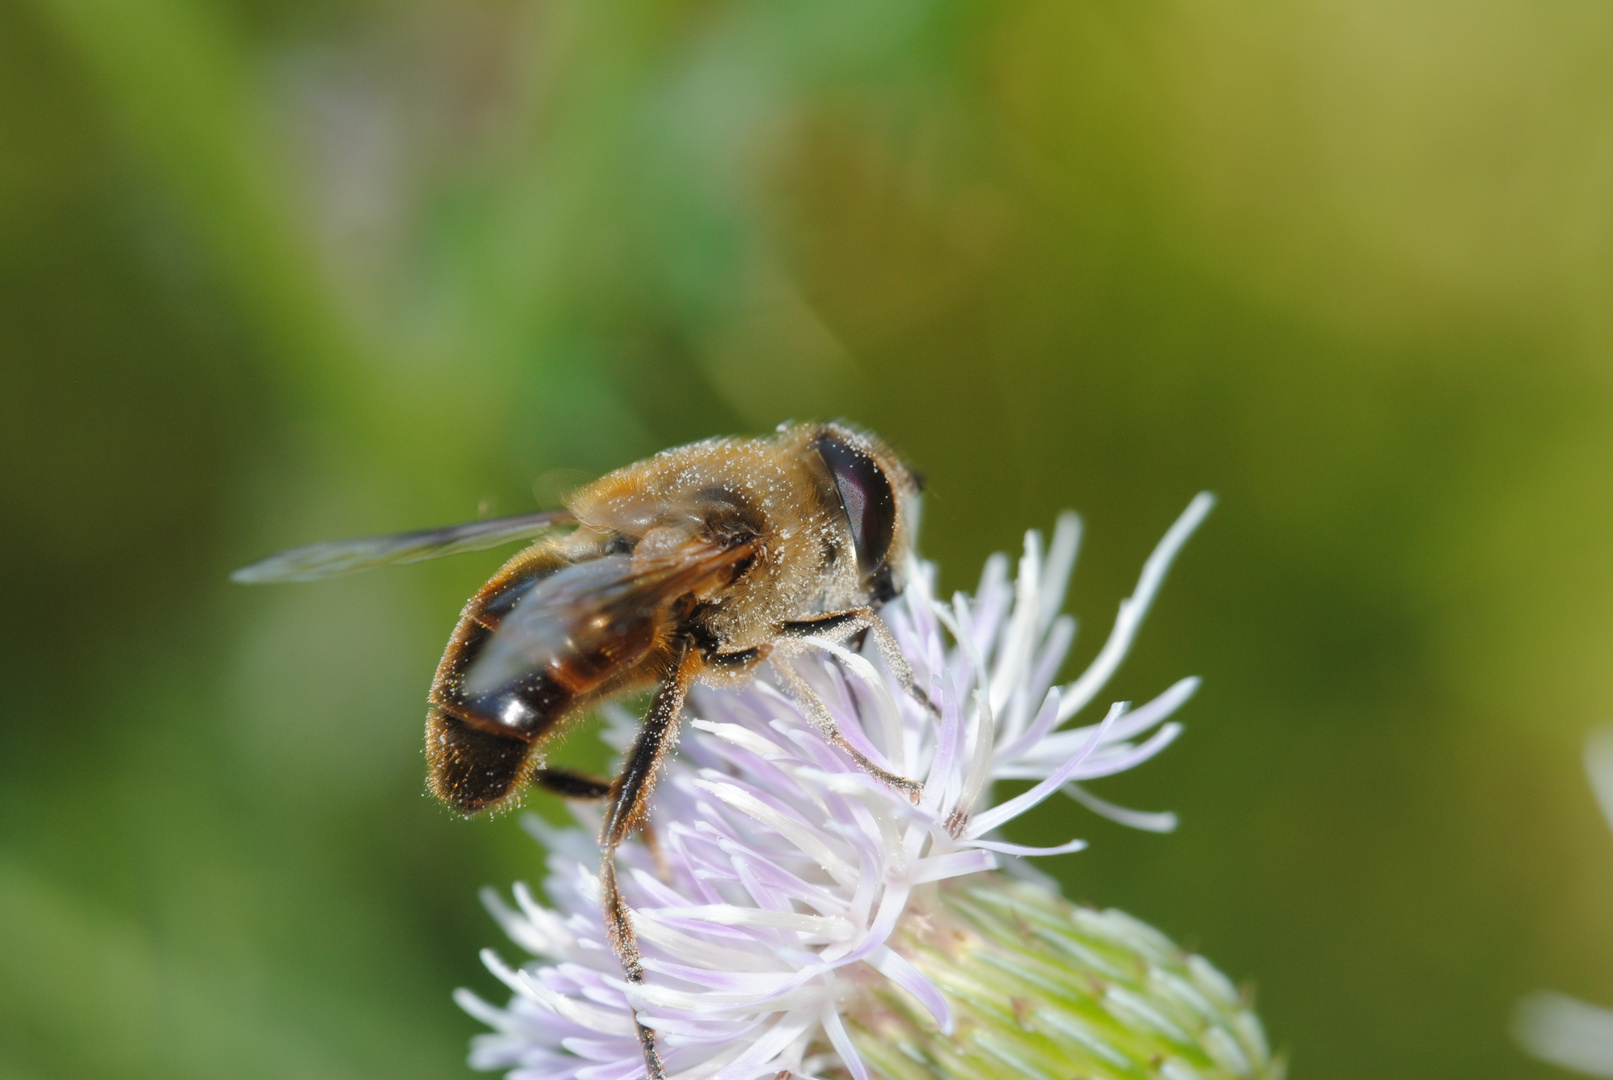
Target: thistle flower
1555	1027
797	915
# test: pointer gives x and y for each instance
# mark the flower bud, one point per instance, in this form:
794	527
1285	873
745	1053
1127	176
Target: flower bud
1039	987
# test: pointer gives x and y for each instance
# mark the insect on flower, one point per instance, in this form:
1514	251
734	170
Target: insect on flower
802	919
693	566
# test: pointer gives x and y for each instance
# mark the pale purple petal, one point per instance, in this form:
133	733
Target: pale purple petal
784	863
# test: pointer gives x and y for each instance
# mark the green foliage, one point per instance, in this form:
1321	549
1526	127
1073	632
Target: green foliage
273	273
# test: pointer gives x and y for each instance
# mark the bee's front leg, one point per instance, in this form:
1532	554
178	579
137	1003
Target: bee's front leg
629	806
796	635
838	625
824	721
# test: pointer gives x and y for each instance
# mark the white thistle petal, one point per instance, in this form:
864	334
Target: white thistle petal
1147	821
1134	607
1568	1032
1555	1027
1599	767
787	871
1065	848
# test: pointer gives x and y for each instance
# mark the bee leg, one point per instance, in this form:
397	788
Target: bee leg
571	785
629	802
892	653
737	663
824	721
584	788
841	624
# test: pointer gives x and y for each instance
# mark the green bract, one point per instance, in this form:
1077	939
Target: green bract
1044	989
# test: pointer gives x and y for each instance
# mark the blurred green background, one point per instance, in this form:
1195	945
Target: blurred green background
276	272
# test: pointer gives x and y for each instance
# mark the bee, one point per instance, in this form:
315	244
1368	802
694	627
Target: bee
696	565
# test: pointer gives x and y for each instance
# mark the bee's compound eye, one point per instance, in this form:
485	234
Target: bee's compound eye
865	496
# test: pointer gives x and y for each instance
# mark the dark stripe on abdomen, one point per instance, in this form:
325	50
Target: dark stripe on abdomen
471	769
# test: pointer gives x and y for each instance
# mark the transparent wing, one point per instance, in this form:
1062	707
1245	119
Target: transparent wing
589	607
348	556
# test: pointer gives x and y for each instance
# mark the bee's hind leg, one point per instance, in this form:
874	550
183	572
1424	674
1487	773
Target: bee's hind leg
571	785
629	805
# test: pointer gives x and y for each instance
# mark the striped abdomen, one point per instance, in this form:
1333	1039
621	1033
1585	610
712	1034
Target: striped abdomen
481	749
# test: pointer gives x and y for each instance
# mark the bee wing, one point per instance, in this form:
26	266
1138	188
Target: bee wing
347	556
584	608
